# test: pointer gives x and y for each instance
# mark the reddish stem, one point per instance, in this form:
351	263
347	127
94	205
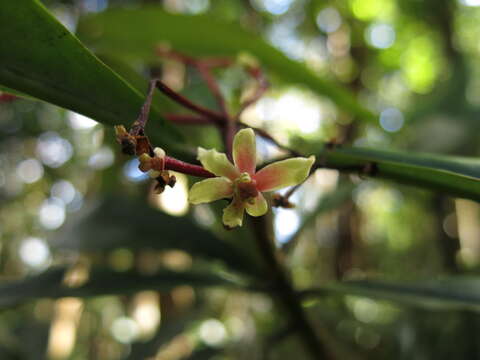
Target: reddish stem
229	124
186	168
219	118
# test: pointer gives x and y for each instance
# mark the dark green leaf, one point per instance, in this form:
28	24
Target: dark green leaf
449	293
452	175
103	282
41	58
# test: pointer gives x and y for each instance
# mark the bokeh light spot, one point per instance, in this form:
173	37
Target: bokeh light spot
391	119
275	7
381	36
52	213
63	190
34	252
53	150
329	20
30	171
125	330
213	332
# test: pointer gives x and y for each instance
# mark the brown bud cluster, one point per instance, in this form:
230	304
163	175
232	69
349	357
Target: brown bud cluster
128	142
132	144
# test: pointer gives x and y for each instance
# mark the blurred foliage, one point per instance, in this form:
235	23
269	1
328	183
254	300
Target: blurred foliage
382	248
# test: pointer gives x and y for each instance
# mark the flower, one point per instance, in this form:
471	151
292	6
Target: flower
241	182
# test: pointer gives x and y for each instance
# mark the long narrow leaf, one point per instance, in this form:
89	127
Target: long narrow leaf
446	294
41	58
451	175
103	282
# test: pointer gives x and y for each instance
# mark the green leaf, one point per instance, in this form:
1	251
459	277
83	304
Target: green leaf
137	32
41	58
103	281
459	293
121	223
457	176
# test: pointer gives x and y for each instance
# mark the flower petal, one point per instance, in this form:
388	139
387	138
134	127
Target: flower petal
259	206
217	163
283	173
244	151
233	214
210	190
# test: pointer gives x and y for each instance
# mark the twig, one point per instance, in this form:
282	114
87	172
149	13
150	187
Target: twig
228	128
186	168
286	292
138	127
293	189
